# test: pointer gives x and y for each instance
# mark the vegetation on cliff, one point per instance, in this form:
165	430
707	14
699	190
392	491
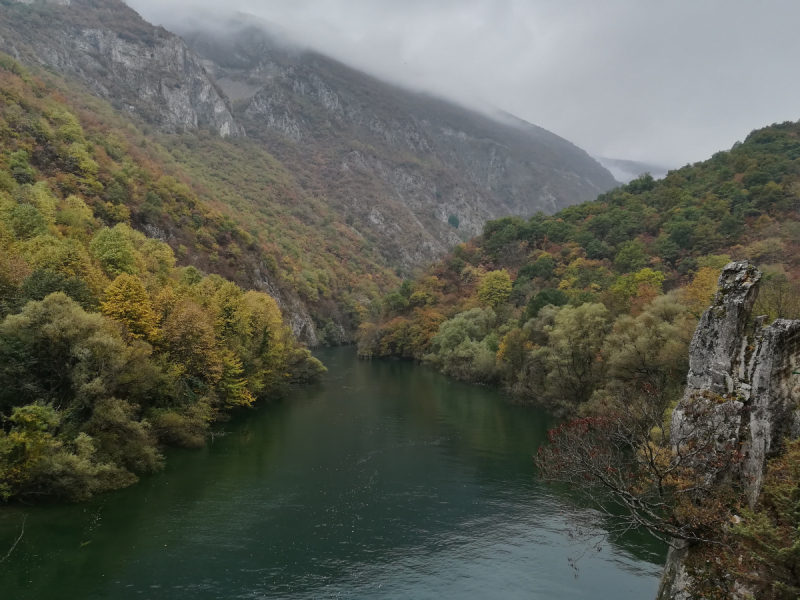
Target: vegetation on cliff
224	204
108	350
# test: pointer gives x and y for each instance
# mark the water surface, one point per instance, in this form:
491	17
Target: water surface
386	480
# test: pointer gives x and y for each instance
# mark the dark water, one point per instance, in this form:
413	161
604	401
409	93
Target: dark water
387	480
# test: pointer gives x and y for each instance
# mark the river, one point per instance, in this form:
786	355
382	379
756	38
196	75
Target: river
385	480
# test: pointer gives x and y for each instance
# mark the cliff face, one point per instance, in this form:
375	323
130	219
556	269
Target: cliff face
402	166
750	367
140	68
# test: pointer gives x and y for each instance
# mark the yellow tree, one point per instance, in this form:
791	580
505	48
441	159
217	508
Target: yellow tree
495	288
127	302
698	295
266	358
189	336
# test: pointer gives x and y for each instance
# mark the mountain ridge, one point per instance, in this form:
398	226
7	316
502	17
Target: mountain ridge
402	176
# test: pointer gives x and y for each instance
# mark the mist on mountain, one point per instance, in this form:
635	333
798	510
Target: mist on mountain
654	82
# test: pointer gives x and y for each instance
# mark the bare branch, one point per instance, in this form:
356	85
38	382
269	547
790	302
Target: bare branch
14	545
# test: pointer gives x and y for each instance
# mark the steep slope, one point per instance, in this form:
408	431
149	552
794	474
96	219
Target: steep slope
618	252
142	69
107	349
225	205
405	165
334	178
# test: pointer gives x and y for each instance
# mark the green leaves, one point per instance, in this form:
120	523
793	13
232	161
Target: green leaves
114	251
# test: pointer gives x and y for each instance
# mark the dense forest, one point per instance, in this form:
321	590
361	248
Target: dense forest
591	311
550	307
108	349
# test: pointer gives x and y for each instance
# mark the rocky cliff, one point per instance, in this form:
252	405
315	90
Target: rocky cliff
738	362
416	172
140	68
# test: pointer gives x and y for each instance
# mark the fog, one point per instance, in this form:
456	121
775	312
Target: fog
661	82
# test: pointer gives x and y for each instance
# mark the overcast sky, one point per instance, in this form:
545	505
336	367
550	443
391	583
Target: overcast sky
663	81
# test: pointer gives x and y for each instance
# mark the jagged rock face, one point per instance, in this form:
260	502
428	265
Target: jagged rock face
138	67
714	350
751	367
402	164
295	312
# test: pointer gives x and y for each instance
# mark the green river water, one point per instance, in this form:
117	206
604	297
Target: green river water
385	480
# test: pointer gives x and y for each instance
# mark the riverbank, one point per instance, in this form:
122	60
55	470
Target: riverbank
386	479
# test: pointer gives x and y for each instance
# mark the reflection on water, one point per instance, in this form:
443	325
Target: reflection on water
385	480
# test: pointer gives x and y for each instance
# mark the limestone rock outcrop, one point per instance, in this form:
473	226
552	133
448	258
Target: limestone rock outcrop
740	361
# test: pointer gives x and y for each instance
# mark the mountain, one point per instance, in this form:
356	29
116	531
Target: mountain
139	68
108	350
398	162
338	178
628	170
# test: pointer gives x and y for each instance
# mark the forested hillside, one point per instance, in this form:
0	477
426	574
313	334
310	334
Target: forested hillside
399	176
557	308
591	311
108	349
222	202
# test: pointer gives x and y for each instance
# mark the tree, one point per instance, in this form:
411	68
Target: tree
33	461
27	222
778	296
127	302
651	349
190	339
512	351
65	256
625	463
114	250
573	348
458	348
495	288
631	257
233	325
54	351
548	296
269	343
699	294
20	169
41	283
543	267
634	290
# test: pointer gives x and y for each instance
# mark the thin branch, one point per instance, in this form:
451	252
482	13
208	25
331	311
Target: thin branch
21	533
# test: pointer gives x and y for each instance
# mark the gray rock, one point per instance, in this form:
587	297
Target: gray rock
748	368
151	73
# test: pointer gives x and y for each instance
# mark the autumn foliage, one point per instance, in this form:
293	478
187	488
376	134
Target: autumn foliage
108	350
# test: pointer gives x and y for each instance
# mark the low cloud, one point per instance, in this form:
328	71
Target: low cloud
661	82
